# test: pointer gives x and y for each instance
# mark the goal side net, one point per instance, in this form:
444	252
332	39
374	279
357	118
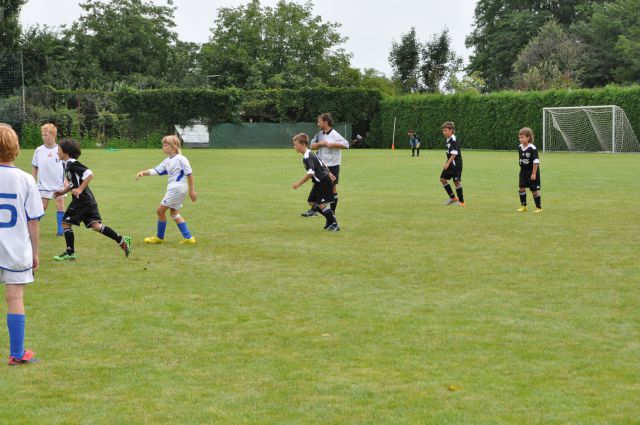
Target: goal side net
587	129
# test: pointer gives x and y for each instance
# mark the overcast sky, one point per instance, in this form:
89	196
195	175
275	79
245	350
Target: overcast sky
370	29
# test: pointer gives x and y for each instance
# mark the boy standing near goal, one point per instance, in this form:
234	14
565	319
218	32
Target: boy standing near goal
48	171
20	210
452	168
83	206
529	170
329	144
321	194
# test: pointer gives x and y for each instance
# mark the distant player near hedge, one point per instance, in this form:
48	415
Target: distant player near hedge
414	142
48	171
21	208
452	168
83	207
321	194
181	181
529	169
329	144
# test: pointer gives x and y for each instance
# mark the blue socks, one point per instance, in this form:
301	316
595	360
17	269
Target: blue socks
162	226
185	230
15	323
60	217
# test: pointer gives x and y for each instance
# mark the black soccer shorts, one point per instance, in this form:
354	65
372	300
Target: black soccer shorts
321	192
88	214
525	180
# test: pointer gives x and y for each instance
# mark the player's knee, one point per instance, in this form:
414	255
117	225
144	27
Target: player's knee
161	212
176	217
96	227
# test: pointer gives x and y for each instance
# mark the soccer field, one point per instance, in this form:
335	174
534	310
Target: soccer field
413	313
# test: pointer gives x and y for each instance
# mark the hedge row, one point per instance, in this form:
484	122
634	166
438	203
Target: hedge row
488	121
128	114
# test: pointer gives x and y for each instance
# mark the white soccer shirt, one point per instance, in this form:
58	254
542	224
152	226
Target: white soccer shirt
50	168
177	168
19	202
330	156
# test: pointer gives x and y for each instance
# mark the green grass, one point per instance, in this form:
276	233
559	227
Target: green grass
536	318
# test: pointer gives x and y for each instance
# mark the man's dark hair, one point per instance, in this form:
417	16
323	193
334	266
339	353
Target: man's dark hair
70	147
326	117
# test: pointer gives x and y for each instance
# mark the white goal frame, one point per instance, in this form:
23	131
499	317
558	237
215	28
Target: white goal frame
609	141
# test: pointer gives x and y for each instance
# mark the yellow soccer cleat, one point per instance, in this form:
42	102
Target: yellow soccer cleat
538	210
521	209
153	240
190	241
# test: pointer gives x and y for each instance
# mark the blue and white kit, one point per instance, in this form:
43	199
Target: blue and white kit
177	167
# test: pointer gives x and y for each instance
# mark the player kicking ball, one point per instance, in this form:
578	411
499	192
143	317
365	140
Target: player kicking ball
20	210
321	194
177	167
83	206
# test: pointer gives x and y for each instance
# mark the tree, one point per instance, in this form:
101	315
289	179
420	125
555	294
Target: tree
283	46
612	39
550	60
10	24
439	62
502	28
45	53
405	59
122	40
9	55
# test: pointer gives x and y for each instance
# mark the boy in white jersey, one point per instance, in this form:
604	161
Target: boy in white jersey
48	171
177	167
329	144
20	210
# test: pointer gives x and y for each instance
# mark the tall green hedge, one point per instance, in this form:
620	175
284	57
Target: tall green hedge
488	121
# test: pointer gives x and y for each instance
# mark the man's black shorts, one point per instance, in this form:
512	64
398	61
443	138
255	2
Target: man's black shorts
335	170
525	180
453	172
88	214
322	192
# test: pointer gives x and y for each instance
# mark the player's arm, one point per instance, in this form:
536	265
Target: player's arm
34	234
34	172
87	176
143	173
449	161
536	161
192	188
64	190
302	181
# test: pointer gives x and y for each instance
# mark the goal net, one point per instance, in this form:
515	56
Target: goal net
587	129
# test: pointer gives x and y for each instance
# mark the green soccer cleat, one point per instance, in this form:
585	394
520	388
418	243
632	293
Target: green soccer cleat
188	241
538	210
65	256
126	245
522	209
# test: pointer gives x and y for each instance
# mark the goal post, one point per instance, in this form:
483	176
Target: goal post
603	128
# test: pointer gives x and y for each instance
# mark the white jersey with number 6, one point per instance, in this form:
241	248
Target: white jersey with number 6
19	203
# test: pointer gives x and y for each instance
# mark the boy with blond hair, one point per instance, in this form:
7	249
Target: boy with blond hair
20	210
48	171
